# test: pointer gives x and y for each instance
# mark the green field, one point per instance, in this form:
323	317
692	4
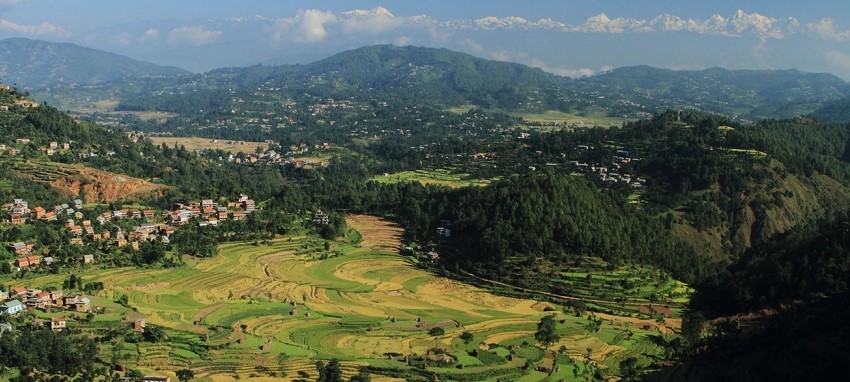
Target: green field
569	119
558	117
369	306
443	177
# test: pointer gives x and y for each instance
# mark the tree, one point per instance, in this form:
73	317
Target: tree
693	324
629	370
436	332
545	333
362	376
154	333
281	363
329	372
185	375
466	337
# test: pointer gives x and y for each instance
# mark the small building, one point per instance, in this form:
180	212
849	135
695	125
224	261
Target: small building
155	378
82	305
11	307
57	324
17	218
321	218
19	248
88	259
28	261
139	325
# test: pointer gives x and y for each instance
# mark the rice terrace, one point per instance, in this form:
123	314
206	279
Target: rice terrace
268	312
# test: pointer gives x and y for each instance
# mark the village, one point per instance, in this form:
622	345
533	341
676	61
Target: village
86	227
20	299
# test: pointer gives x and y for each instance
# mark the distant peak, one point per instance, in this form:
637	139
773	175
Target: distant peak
377	11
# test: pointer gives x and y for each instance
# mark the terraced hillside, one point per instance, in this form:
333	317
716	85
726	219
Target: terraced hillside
92	185
259	311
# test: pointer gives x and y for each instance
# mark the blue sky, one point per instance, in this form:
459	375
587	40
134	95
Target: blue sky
570	38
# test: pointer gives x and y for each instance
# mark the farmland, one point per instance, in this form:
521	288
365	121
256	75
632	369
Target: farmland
359	302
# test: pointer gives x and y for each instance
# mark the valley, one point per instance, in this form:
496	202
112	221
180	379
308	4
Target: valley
407	213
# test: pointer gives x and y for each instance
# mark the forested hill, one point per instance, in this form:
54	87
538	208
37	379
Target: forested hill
838	111
762	93
408	75
33	64
443	78
433	75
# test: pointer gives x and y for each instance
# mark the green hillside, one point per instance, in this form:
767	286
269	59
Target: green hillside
34	64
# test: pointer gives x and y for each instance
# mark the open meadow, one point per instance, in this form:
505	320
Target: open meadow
442	177
257	312
197	143
554	117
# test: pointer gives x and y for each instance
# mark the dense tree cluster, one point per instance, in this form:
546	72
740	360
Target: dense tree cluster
29	348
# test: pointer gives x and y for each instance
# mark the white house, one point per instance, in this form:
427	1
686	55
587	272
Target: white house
11	307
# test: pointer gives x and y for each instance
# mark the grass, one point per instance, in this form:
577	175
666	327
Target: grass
567	119
355	307
752	152
443	177
196	143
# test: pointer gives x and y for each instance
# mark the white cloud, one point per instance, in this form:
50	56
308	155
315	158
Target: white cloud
838	60
43	29
312	25
523	58
471	45
403	41
308	26
151	34
192	35
504	55
560	70
826	29
760	52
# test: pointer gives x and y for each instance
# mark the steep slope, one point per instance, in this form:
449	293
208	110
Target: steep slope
33	64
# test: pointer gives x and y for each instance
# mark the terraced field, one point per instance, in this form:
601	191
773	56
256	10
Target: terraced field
368	306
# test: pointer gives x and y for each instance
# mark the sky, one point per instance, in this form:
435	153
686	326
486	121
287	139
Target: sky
565	37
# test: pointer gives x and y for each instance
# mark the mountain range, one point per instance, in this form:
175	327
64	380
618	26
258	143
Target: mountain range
447	78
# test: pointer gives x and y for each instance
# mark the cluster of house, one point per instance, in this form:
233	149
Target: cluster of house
611	173
22	102
19	299
20	212
273	157
210	212
52	147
